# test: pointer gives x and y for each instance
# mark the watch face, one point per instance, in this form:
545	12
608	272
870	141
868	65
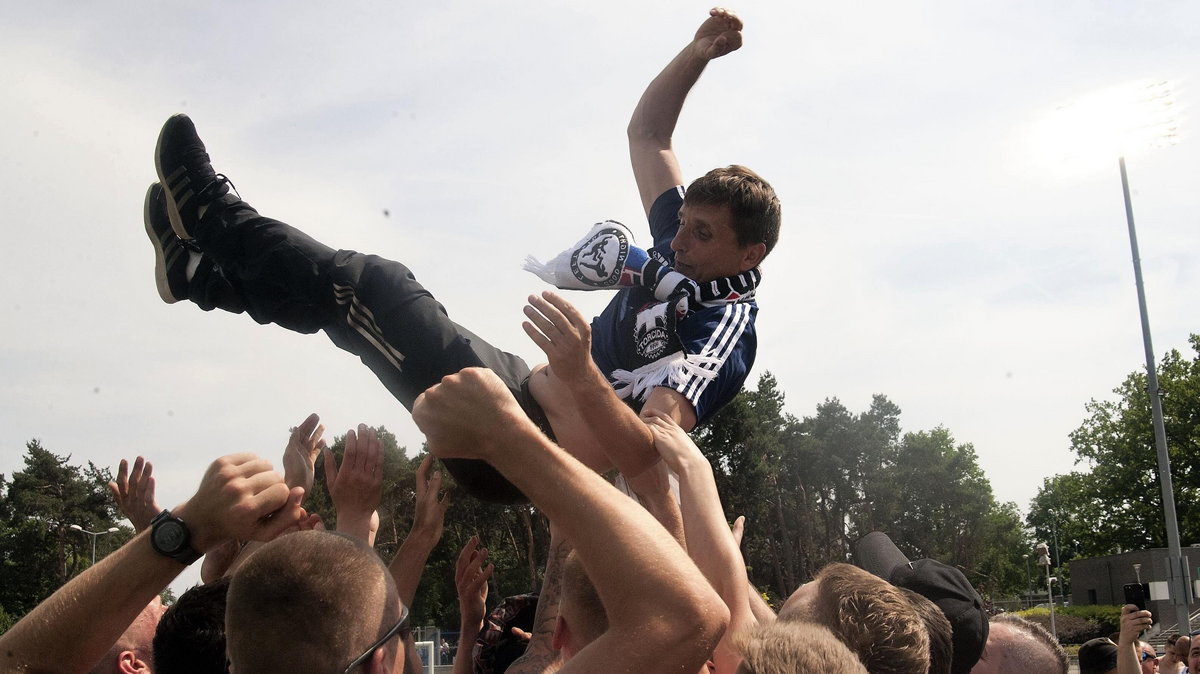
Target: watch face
169	536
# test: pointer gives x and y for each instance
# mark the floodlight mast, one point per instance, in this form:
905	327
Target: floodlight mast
1177	568
1116	121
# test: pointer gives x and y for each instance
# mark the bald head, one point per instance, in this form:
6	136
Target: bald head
1179	649
1016	646
309	601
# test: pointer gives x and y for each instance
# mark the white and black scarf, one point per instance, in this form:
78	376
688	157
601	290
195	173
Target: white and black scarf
607	259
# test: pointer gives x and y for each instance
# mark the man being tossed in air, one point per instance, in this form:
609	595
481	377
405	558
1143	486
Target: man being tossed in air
685	357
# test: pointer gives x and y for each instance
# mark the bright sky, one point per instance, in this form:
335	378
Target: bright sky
926	255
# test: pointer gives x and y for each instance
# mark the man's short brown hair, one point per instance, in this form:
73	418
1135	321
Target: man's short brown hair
752	202
871	616
786	647
308	601
941	635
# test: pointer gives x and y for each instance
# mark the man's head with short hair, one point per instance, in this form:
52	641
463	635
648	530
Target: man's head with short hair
789	646
310	601
728	223
1180	647
190	638
133	650
944	585
941	642
581	615
1018	645
752	202
870	615
1193	659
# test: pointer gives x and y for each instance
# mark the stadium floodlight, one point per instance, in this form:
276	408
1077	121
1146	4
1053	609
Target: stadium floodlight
1118	122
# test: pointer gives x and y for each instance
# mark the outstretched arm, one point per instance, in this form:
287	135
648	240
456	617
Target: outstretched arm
1133	623
663	615
758	606
655	167
599	419
471	574
563	333
355	486
710	543
239	497
428	520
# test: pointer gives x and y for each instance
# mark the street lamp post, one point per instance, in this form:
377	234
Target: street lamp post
1054	534
1028	581
1043	552
94	535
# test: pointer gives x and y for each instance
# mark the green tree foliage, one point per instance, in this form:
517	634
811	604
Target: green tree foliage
1115	502
935	501
38	550
810	487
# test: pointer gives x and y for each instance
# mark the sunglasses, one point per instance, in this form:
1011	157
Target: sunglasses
400	626
1146	655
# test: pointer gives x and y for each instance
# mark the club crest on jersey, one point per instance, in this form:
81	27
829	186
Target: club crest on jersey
600	260
651	335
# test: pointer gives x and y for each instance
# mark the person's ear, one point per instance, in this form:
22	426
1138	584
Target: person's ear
752	255
378	664
129	663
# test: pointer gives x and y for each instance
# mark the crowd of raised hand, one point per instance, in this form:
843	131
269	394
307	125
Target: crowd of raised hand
621	592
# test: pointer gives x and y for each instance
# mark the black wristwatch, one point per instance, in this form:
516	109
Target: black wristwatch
170	537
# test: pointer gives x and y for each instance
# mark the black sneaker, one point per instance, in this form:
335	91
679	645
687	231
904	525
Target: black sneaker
184	170
170	253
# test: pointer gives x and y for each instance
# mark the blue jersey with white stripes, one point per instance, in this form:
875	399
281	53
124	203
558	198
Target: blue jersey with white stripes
725	333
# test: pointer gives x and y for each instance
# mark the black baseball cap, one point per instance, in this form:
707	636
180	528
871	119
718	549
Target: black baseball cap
940	583
1097	656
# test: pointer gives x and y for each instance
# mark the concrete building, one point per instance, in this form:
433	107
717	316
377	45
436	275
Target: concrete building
1101	580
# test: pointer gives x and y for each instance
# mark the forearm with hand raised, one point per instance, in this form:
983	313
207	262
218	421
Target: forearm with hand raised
644	579
239	496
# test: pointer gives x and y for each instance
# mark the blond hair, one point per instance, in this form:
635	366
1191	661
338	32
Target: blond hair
789	647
